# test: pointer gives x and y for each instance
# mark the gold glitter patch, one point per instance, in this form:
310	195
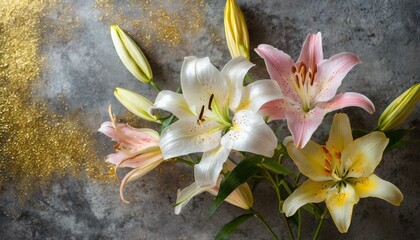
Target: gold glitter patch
155	22
36	145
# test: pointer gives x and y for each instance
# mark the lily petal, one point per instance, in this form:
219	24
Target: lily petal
139	158
302	125
331	72
210	166
185	136
348	99
340	203
250	133
309	160
311	53
275	110
199	80
187	194
340	133
279	67
135	174
309	192
373	186
174	103
363	155
235	70
258	93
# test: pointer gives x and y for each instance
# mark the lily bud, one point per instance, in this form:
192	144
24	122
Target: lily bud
235	30
396	113
137	104
241	197
131	55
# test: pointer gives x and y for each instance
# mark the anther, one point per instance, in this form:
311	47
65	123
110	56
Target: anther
297	81
200	117
210	101
293	69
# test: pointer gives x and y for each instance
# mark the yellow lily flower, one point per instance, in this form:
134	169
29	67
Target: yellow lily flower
236	30
396	113
340	172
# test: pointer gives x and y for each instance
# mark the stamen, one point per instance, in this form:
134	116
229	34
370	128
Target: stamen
327	154
200	117
293	69
210	101
338	154
297	81
302	71
314	70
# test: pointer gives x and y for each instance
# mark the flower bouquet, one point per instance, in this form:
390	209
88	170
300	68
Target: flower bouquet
219	122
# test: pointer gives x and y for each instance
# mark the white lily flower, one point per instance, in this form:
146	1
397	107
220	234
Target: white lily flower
340	172
216	114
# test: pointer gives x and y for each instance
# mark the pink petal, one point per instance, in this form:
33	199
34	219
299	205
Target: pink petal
279	66
331	72
108	129
311	53
116	158
348	99
142	159
302	125
274	110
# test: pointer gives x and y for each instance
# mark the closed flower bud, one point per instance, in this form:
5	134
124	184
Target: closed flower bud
131	55
399	110
236	30
241	197
137	104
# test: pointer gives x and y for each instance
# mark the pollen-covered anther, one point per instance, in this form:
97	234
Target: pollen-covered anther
200	119
337	154
210	101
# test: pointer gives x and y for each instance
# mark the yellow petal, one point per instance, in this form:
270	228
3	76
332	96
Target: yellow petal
340	133
309	192
363	155
340	201
309	160
374	186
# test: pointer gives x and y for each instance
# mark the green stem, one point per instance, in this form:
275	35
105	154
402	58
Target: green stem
299	225
154	85
277	190
321	221
259	217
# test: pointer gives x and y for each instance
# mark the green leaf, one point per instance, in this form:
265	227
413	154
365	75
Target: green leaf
276	167
230	227
239	175
395	138
167	122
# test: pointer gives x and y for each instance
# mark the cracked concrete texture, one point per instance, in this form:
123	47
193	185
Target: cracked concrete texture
86	70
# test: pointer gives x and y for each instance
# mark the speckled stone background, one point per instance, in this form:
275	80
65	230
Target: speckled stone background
84	69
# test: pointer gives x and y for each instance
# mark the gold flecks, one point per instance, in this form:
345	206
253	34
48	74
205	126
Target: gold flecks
37	146
152	22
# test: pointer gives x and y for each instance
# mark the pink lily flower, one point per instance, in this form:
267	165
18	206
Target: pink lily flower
309	87
136	148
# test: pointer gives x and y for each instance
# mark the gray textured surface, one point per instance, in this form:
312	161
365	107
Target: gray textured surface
85	70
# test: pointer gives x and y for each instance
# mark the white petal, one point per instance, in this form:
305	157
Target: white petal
363	155
373	186
258	93
309	160
187	194
186	136
174	103
309	192
199	80
340	201
235	71
210	166
251	134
